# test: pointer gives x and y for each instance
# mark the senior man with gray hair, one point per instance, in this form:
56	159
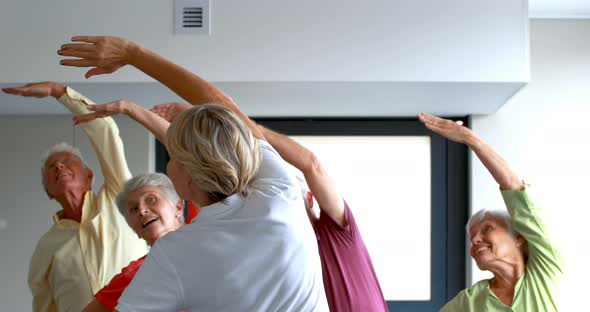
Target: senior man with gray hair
90	241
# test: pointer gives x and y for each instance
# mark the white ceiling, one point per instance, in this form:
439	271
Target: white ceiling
559	9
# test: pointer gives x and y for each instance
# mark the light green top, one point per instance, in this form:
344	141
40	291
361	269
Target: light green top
536	288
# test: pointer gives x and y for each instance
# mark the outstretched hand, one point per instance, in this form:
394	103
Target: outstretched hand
169	111
452	130
105	54
37	89
103	110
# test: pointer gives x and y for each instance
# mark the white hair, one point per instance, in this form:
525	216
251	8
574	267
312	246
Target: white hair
498	215
501	216
61	147
159	180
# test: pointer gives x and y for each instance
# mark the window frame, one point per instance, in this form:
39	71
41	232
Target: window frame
449	187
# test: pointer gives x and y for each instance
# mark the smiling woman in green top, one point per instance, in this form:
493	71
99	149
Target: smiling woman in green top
512	244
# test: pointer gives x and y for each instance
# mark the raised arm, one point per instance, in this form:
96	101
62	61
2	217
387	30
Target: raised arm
321	185
150	120
102	133
108	54
526	217
496	165
38	90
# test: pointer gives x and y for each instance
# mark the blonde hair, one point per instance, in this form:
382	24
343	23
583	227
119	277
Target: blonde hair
216	146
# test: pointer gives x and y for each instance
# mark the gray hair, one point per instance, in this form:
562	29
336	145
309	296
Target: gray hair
61	147
158	180
498	215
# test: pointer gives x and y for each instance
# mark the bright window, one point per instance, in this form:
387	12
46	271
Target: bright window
386	181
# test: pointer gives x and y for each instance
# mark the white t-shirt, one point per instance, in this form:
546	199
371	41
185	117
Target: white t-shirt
252	253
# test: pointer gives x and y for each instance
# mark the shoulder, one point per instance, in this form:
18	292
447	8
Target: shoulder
468	297
272	165
172	243
458	303
46	248
133	266
477	288
349	221
51	240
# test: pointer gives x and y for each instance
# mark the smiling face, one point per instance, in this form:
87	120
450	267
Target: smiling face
151	215
492	243
65	172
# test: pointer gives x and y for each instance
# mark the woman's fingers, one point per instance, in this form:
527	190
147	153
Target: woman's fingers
98	71
39	91
78	62
77	53
11	90
78	47
431	119
105	54
437	122
87	39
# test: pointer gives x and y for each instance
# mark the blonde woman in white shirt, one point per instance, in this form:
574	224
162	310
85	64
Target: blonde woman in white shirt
253	244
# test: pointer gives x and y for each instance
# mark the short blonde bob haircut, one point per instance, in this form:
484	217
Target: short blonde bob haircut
215	145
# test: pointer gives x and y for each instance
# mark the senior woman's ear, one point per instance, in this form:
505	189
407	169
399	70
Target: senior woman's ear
520	240
179	208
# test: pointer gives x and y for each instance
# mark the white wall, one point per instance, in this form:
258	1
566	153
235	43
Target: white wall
304	57
543	132
25	211
269	40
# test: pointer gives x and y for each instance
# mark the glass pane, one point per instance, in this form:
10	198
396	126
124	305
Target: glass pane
386	182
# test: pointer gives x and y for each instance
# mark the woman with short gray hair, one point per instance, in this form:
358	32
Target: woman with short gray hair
513	244
152	209
157	181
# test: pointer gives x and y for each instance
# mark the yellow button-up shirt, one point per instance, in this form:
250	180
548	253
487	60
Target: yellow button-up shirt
73	261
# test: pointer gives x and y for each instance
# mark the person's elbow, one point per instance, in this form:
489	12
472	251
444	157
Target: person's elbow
312	164
513	183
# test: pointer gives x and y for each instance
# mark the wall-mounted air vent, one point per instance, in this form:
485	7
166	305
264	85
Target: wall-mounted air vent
192	17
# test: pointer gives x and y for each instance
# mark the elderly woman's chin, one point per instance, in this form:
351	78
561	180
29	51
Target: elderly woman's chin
483	260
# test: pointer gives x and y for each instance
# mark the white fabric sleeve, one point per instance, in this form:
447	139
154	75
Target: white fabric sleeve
103	134
155	287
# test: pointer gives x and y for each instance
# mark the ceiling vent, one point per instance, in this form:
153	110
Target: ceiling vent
192	17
